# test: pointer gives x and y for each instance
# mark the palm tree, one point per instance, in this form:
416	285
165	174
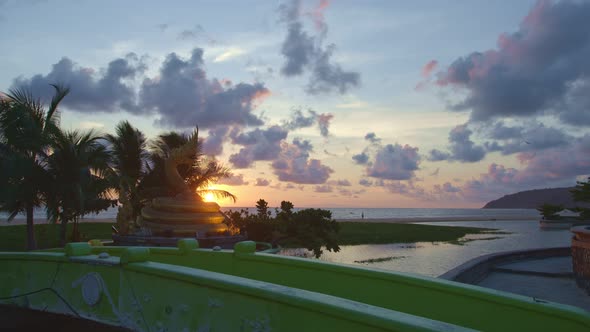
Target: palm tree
129	158
78	167
26	131
199	176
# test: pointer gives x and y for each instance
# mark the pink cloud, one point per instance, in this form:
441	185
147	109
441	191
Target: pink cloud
429	68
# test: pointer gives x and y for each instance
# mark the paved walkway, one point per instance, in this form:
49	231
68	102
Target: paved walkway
548	279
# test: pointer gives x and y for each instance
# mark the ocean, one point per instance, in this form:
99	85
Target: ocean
370	213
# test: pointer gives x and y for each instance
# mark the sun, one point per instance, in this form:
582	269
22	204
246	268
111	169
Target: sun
209	197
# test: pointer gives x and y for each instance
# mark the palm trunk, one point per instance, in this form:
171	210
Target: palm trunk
75	231
63	226
31	243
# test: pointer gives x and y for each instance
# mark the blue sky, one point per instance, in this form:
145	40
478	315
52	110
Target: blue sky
329	103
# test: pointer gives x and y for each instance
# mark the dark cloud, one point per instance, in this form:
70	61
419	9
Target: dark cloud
437	155
371	137
534	137
294	165
462	148
327	76
303	51
324	123
183	96
501	131
535	70
105	90
394	162
260	182
258	144
300	120
163	26
361	158
213	144
304	145
234	180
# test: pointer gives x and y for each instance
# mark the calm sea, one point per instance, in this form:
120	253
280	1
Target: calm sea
374	213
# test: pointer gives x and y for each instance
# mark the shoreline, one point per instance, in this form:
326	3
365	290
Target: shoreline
438	219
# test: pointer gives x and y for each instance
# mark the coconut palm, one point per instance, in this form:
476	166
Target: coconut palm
199	176
77	166
26	131
129	158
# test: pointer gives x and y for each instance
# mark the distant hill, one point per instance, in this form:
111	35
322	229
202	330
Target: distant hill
532	199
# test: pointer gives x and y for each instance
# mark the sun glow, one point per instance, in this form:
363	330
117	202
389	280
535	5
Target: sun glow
209	197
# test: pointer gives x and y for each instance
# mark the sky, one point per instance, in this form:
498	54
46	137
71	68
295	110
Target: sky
435	104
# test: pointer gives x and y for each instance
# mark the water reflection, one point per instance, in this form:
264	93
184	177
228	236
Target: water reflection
434	259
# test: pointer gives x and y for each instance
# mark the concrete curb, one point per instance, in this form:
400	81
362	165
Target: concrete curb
478	268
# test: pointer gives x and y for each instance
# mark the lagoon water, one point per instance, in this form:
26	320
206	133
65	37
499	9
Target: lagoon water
434	259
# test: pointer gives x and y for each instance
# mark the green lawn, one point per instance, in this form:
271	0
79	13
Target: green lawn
352	233
12	238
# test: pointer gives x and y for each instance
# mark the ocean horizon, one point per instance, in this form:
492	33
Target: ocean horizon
363	213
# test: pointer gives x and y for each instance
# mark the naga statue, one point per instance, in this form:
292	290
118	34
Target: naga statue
186	214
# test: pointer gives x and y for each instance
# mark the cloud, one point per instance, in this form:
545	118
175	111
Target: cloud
323	189
361	158
394	162
371	137
299	120
259	144
429	68
535	70
462	148
304	52
324	123
213	144
90	125
365	182
229	54
534	137
183	96
340	183
556	167
234	180
260	182
295	165
105	90
163	26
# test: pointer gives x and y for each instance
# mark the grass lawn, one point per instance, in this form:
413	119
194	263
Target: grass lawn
12	238
352	233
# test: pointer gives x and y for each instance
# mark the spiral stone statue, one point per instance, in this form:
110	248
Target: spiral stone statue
186	214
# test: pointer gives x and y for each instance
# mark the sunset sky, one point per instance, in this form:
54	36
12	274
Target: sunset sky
328	103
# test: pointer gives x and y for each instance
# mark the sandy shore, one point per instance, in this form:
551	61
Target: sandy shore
439	219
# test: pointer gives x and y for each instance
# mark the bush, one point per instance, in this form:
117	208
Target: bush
309	228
